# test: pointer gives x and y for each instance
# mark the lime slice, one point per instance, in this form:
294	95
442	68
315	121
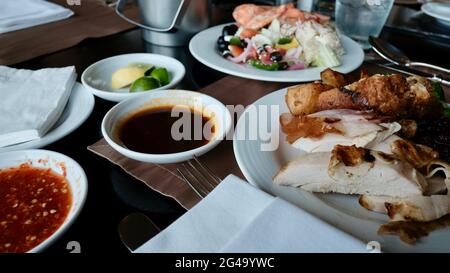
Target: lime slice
149	71
161	74
144	84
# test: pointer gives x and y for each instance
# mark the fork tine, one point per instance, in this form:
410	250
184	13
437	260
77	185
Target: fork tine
208	171
192	181
201	177
190	184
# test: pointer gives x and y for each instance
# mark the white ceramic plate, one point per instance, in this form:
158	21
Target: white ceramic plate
205	104
203	48
78	108
440	11
60	164
342	211
97	77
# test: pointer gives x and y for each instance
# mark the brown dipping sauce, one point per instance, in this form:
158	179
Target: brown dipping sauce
34	203
149	131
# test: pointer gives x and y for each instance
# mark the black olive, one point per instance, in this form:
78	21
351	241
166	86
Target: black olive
229	30
276	56
260	50
221	40
283	66
222	45
226	54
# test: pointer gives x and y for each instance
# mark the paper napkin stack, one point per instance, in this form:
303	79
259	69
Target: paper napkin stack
19	14
32	101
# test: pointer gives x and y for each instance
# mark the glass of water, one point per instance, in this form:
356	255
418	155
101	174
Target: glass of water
360	19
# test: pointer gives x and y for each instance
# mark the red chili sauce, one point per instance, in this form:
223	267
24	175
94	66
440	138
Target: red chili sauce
34	203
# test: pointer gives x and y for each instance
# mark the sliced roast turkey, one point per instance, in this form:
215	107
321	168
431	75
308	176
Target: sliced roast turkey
321	131
416	207
353	170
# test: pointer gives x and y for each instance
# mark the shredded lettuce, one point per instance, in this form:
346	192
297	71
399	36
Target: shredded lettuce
437	91
439	95
326	57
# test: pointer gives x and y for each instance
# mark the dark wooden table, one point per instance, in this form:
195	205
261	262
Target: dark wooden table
112	194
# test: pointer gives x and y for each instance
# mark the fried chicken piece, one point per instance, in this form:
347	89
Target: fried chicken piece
393	95
309	98
333	78
397	96
425	105
336	99
303	99
385	94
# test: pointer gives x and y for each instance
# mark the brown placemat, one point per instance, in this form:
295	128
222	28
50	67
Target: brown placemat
164	178
229	90
92	19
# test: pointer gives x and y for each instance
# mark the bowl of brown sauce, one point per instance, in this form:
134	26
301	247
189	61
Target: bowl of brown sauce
42	193
166	126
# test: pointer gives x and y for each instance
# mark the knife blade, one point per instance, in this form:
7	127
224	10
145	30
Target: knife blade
410	71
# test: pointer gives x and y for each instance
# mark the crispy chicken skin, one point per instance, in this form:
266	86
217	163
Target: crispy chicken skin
309	98
396	96
387	94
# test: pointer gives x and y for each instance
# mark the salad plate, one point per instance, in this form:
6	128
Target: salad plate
259	167
203	48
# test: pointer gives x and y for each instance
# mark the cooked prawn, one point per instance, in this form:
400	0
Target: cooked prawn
255	17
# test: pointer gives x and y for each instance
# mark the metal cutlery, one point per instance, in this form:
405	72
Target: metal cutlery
199	177
410	71
389	52
136	229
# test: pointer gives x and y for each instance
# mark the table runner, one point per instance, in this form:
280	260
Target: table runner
92	19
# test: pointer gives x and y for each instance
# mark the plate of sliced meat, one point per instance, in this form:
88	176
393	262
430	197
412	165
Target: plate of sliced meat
280	44
354	155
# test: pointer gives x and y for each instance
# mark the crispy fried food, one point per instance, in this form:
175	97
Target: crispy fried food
425	105
333	78
409	128
364	74
393	95
314	97
336	99
398	96
303	99
411	232
385	94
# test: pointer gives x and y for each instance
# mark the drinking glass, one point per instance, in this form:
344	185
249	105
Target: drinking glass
360	19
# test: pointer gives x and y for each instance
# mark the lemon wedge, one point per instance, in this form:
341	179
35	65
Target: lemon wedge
293	44
127	75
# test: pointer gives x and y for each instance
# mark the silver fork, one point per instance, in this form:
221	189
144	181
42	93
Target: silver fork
199	177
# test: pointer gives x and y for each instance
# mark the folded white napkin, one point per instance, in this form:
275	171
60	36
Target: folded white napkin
19	14
237	217
32	101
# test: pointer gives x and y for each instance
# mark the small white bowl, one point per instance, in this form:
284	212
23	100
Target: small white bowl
62	165
205	104
97	77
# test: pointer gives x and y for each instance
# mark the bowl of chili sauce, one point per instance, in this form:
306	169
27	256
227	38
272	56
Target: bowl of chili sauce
41	194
